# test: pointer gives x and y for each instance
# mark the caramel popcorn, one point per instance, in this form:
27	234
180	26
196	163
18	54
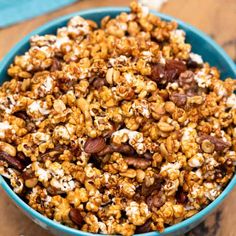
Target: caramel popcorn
118	129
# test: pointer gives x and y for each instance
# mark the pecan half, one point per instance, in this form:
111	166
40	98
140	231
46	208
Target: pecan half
12	161
179	66
138	162
76	216
94	145
157	73
168	73
178	99
187	82
122	148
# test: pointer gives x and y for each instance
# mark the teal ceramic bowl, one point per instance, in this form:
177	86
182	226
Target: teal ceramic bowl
201	44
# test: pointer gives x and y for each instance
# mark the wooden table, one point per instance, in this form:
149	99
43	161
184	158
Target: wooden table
215	17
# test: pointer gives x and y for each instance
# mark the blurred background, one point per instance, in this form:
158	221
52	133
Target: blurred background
215	17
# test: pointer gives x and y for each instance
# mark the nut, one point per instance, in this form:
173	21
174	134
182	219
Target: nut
137	162
130	173
165	127
181	196
30	183
207	146
122	148
76	216
144	228
156	200
220	145
94	145
7	148
99	82
12	161
156	185
178	99
112	75
59	106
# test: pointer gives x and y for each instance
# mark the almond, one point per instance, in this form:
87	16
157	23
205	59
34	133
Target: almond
94	145
76	216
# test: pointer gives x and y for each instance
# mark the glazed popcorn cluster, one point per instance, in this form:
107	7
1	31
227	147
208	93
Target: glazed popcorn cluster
118	128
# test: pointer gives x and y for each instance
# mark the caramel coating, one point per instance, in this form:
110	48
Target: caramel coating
112	130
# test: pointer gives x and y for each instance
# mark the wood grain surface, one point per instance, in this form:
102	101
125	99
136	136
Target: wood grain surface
215	17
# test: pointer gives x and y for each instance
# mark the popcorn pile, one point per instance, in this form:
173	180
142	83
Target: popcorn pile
118	129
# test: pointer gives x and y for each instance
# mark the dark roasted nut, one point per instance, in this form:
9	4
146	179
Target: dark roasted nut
173	68
27	174
94	145
186	80
144	228
188	83
181	196
107	150
157	73
76	216
168	73
187	77
54	191
12	161
147	190
171	75
156	200
138	162
122	148
178	99
179	66
99	82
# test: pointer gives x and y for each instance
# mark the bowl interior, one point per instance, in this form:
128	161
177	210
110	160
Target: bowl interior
201	44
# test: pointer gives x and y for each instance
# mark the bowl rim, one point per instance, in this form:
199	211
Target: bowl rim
46	222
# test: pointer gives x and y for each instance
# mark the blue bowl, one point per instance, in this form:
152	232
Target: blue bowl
201	44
